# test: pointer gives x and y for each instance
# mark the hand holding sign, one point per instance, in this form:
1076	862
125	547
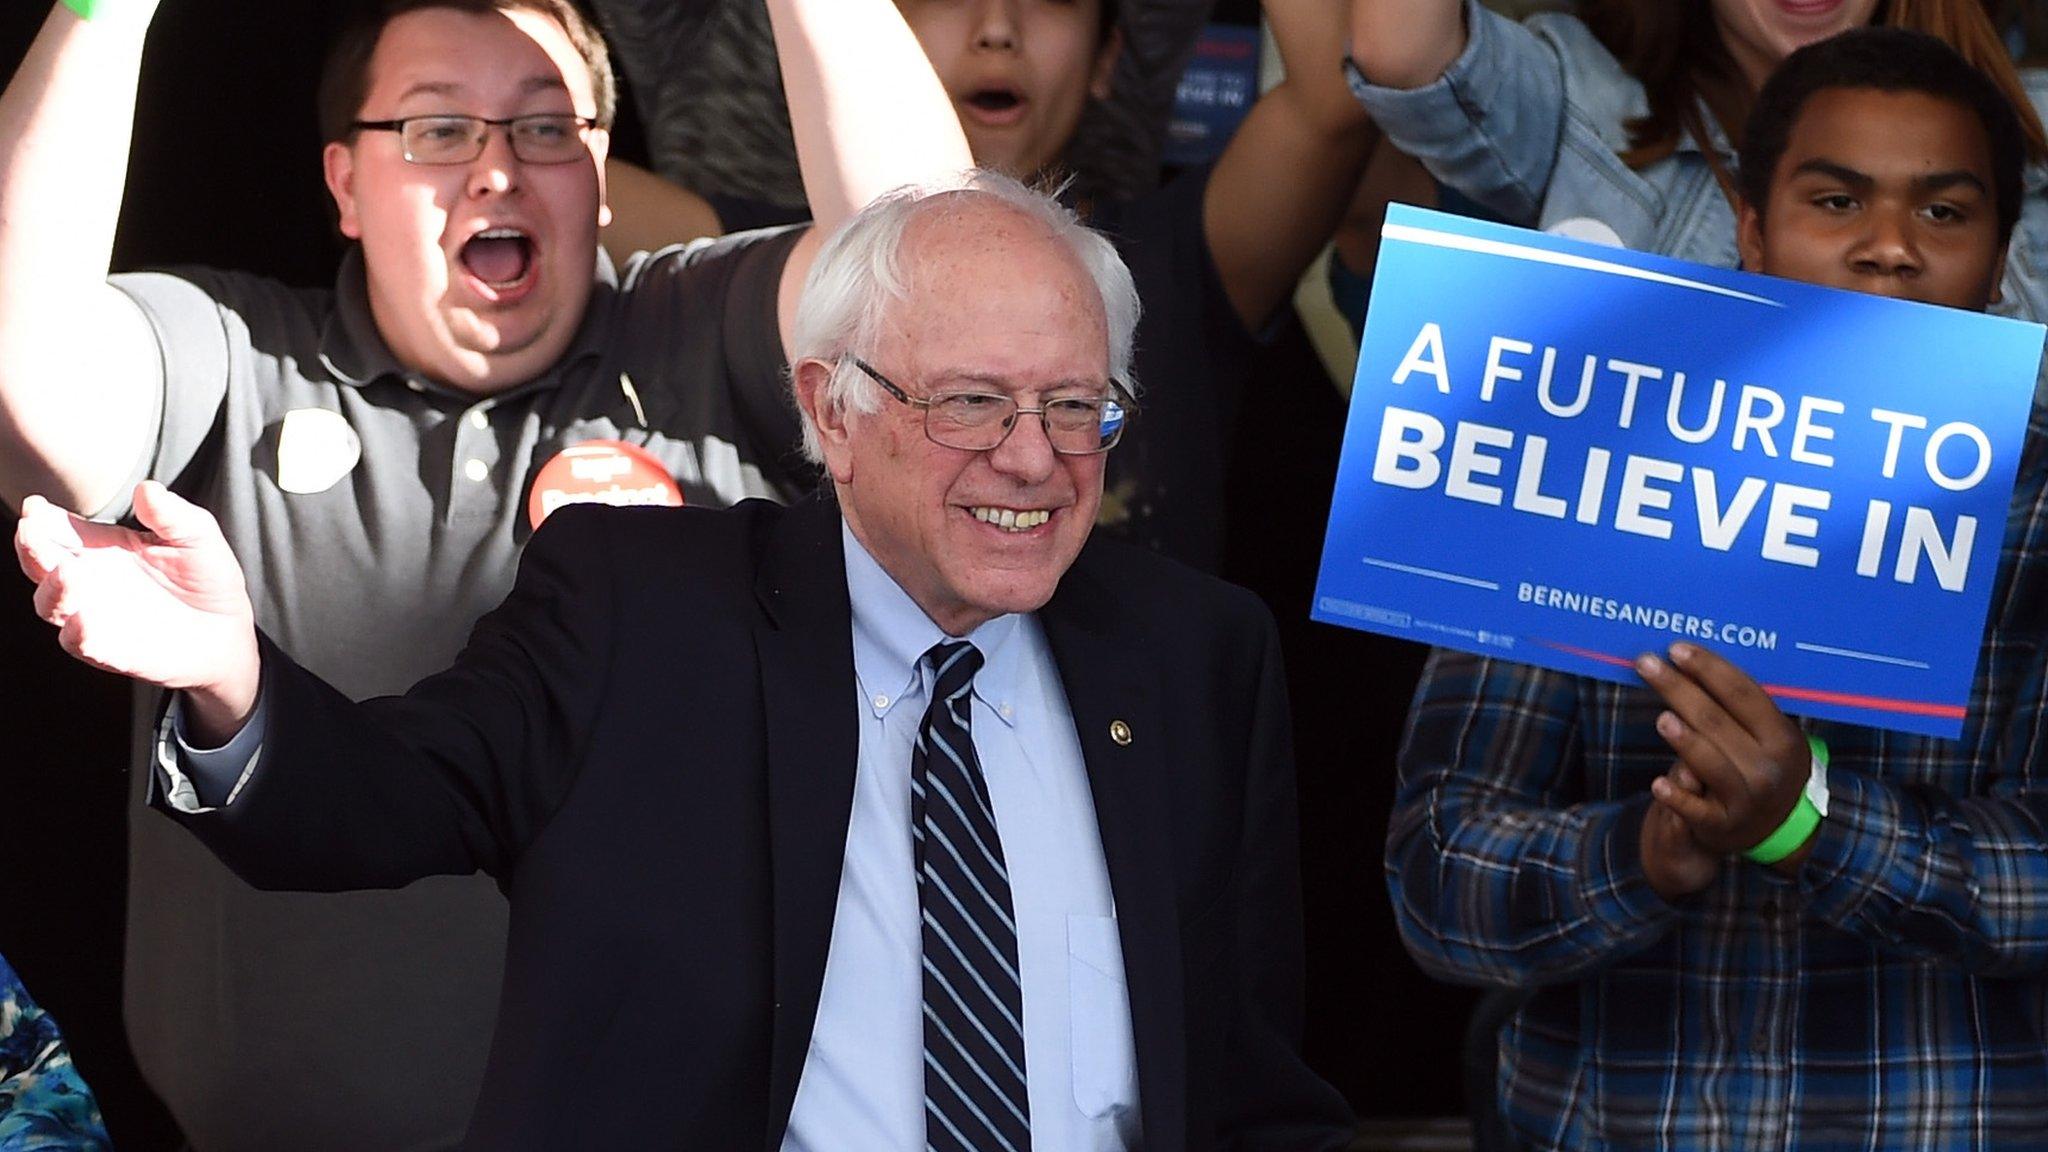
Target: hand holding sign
1747	755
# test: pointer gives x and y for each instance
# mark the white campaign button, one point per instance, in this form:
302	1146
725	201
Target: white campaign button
315	448
1587	228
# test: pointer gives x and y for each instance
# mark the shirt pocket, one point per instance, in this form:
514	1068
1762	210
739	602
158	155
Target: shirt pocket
1105	1069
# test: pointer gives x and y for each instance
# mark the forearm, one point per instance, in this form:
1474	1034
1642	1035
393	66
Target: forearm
868	112
336	799
1503	869
1311	36
1406	43
73	354
215	712
1519	897
1282	186
1490	124
1922	874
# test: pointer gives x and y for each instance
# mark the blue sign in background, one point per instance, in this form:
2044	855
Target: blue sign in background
1530	561
1215	93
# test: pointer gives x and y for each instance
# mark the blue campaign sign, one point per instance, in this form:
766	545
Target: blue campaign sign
1566	454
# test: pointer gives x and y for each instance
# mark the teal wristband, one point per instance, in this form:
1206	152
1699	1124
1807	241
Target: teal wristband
1802	820
84	8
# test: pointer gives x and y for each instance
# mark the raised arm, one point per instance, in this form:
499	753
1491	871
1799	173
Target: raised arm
868	112
1281	187
78	364
1479	98
1406	43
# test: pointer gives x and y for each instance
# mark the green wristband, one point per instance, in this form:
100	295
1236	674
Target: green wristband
84	8
1800	822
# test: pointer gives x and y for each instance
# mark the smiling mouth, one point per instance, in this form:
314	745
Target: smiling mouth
500	258
1011	519
1809	7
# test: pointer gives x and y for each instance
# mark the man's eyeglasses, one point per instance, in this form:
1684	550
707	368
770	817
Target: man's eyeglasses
981	421
542	138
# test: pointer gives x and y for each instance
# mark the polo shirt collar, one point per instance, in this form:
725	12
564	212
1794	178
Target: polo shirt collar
354	352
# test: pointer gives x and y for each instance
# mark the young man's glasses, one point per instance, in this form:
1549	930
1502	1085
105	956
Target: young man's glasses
542	138
981	421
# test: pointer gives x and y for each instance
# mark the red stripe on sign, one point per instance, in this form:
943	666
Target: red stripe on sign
1812	695
1589	654
1874	703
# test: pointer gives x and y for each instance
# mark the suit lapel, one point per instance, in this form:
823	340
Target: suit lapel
806	654
1112	694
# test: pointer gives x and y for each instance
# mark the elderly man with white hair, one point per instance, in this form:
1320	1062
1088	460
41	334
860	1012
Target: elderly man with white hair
905	817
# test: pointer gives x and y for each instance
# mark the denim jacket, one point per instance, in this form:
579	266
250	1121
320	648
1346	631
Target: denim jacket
1530	121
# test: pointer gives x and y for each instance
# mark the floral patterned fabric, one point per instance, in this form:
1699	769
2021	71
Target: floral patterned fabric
44	1106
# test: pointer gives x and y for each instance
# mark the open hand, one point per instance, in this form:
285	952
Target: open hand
168	605
1749	758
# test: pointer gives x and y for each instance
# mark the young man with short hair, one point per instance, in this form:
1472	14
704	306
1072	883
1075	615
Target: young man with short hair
1882	985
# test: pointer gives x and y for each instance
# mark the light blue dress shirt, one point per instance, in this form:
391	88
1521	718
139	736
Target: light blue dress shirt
863	1080
862	1086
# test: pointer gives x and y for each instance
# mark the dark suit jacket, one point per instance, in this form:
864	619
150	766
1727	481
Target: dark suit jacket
652	745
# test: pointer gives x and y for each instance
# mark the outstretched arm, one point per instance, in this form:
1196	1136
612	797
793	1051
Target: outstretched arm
868	112
78	364
167	605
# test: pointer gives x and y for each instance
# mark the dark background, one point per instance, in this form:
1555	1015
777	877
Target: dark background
225	171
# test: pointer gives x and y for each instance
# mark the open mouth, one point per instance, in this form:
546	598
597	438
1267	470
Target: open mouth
996	105
1011	519
500	258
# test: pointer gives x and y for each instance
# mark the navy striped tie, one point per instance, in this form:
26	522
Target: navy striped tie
973	1004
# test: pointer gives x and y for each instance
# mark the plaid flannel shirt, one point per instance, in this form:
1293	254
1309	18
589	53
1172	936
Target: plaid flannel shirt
1893	996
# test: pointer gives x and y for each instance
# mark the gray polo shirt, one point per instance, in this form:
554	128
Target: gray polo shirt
378	516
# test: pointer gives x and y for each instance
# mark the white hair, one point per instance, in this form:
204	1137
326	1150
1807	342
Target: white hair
858	275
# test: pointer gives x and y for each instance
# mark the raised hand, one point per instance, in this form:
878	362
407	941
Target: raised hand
168	605
1749	758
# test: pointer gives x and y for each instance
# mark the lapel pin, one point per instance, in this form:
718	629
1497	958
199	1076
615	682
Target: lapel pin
1120	732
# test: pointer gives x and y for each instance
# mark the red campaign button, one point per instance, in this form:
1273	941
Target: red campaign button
601	472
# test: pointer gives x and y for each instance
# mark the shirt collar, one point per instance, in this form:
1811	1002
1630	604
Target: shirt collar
354	352
891	634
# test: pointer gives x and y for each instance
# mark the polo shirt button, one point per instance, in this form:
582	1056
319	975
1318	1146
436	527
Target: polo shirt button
479	419
477	470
